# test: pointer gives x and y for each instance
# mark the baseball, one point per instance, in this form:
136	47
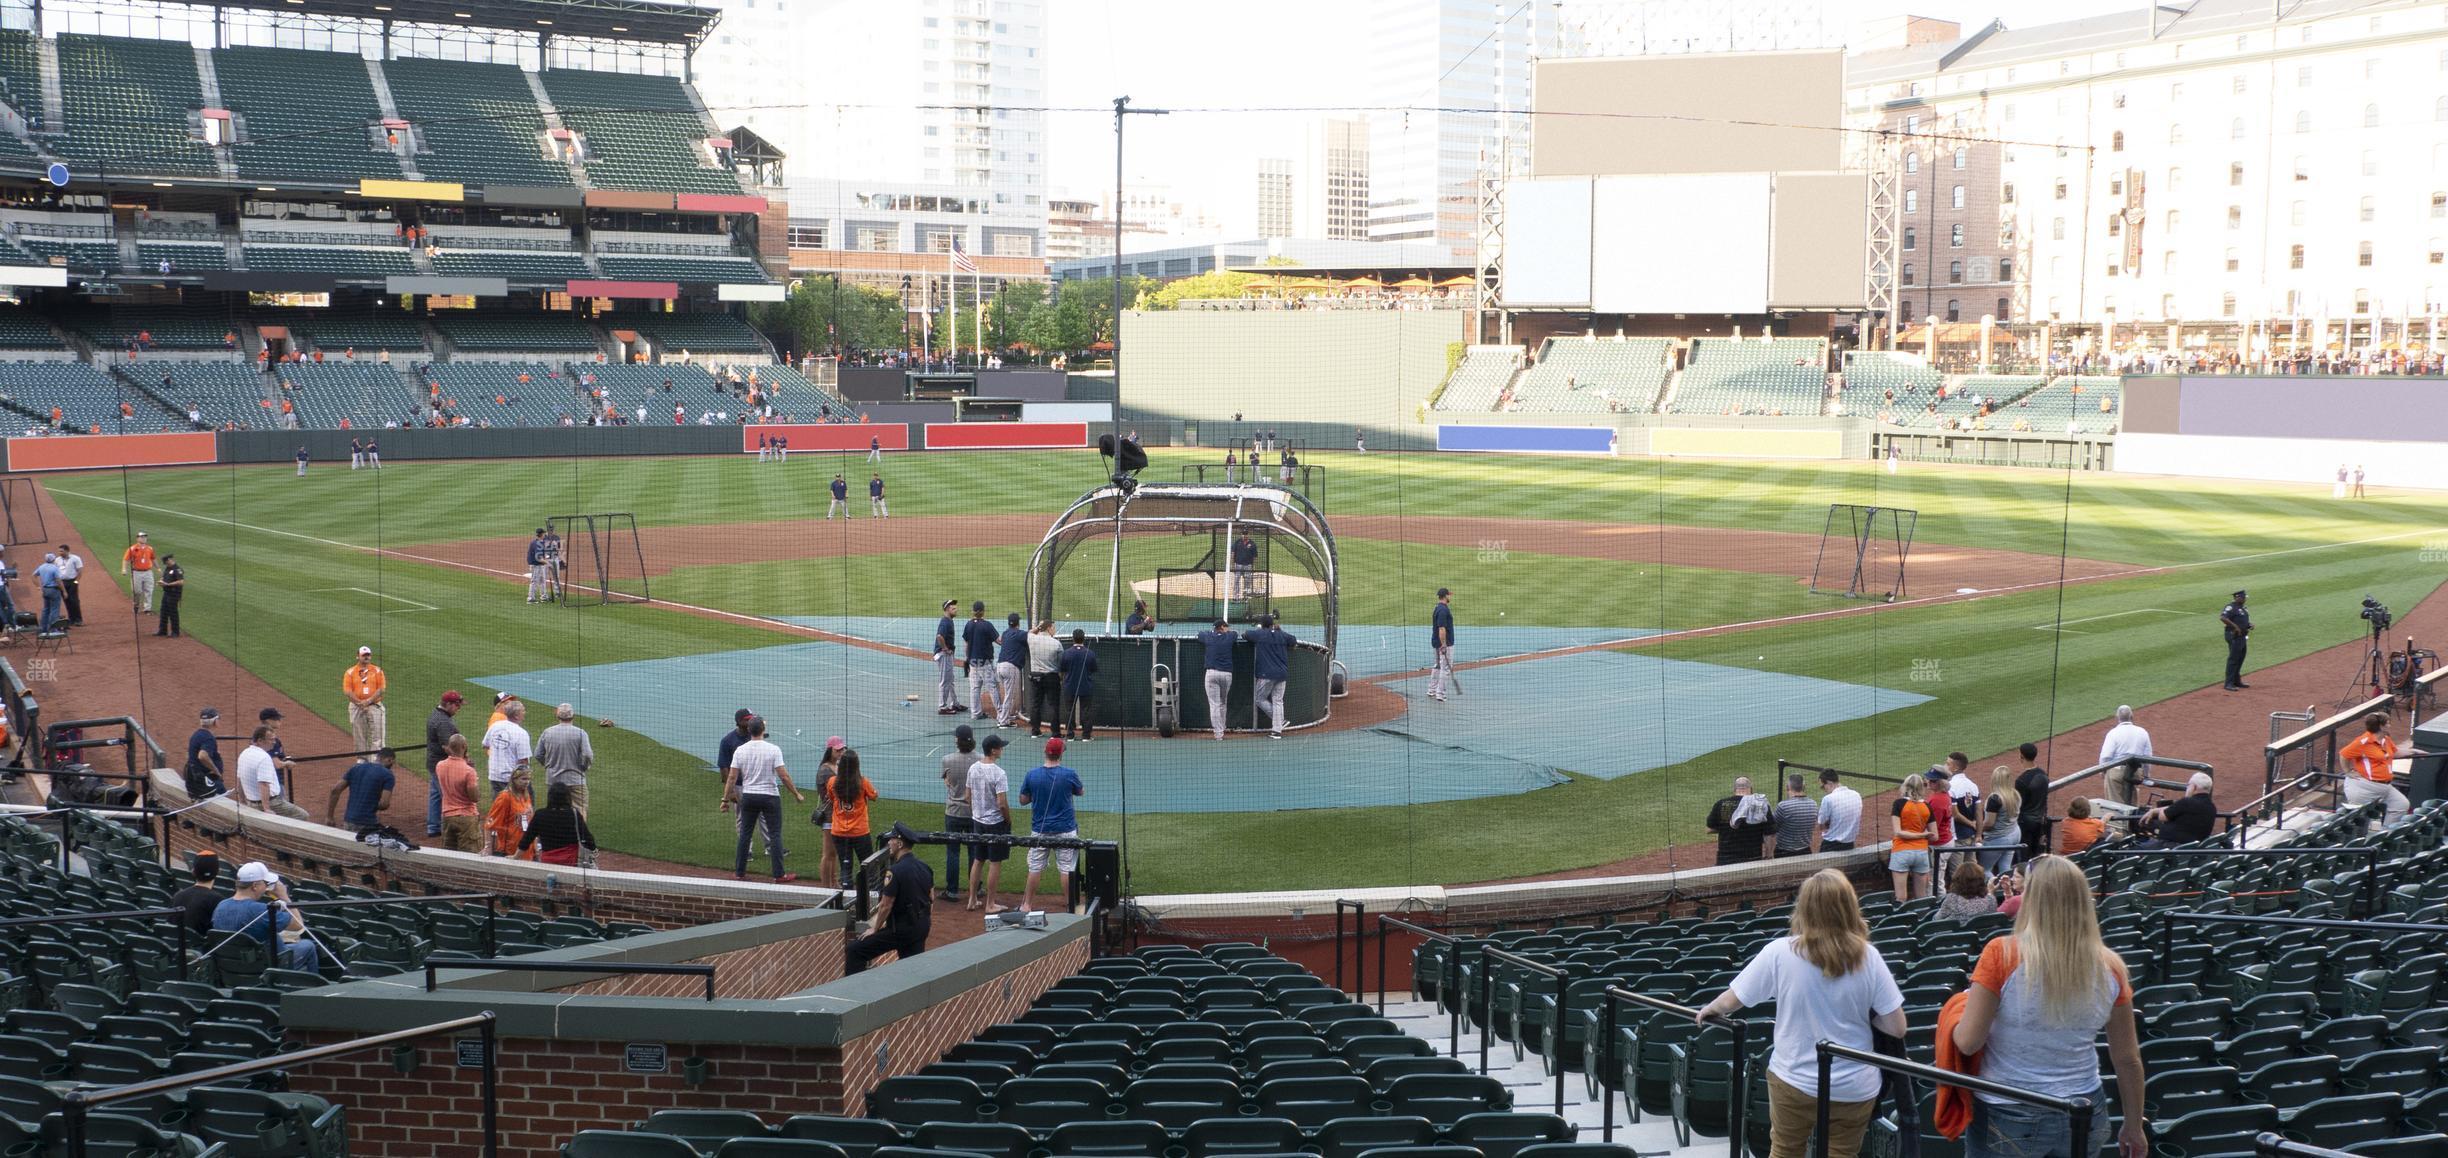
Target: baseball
1759	657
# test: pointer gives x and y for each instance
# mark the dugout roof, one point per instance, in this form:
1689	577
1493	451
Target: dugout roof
644	21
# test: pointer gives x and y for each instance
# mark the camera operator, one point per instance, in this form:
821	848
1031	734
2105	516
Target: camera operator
2236	624
2369	766
2185	820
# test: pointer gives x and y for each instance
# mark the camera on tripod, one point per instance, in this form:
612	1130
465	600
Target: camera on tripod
2377	614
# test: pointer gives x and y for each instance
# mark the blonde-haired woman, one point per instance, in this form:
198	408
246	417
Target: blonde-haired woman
2039	998
1828	983
2005	804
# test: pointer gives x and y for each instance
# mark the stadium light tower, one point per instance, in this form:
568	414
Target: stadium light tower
1121	109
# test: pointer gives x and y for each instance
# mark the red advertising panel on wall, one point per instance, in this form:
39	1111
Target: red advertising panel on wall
87	452
1005	435
834	436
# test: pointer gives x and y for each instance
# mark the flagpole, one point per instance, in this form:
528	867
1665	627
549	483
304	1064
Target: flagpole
952	276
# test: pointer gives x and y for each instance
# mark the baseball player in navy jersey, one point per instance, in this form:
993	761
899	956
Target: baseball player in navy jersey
1270	666
947	648
1440	640
556	564
841	499
875	498
539	569
1216	657
875	449
1011	662
978	637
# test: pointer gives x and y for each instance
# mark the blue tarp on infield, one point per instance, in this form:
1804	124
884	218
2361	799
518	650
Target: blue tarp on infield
1497	738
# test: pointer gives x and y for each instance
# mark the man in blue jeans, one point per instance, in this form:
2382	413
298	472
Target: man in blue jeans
958	817
439	728
260	909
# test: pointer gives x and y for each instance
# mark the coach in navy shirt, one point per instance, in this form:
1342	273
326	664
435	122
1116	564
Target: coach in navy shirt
1270	665
1011	663
204	755
979	636
732	739
1440	641
1218	647
1078	665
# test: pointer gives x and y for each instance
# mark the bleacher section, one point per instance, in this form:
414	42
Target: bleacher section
477	122
2047	410
359	262
307	114
111	1002
367	395
516	266
642	132
529	333
158	329
794	396
20	330
691	386
80	254
367	332
1871	375
687	270
127	104
222	392
1479	379
695	333
1965	398
1594	376
21	74
474	387
1748	376
87	399
184	257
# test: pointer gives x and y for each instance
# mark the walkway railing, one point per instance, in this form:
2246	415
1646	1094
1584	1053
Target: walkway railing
2371	855
77	1103
1453	1030
1487	986
1908	1109
2167	930
1738	1102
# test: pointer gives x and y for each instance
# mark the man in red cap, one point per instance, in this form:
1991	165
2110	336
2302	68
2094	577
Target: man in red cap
439	728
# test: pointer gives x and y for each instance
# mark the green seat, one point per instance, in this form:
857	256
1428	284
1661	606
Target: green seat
626	1144
857	1137
2345	1121
1313	1102
1040	1103
2228	1129
705	1129
2422	1146
1446	1098
1351	1137
1215	1137
912	1099
986	1139
777	1148
1114	1139
1501	1135
1175	1103
262	1125
1701	1089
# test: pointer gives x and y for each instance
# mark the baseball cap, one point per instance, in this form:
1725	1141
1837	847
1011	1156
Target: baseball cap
2239	594
500	696
963	733
978	606
1054	748
949	604
991	744
741	716
208	715
268	714
835	743
901	832
141	534
362	650
453	697
1442	592
1013	619
254	872
539	530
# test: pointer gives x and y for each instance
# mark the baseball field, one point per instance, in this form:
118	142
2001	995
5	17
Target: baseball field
1633	633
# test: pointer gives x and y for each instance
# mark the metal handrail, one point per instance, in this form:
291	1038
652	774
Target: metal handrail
1453	1042
2080	1109
1737	1101
2101	769
2371	855
77	1102
2275	794
525	965
1783	766
2276	749
2167	929
1359	926
2267	1145
1487	985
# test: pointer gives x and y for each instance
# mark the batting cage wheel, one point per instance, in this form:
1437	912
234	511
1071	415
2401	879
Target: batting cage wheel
601	561
1862	552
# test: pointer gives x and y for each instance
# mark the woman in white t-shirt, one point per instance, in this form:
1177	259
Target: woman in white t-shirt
1828	983
2039	998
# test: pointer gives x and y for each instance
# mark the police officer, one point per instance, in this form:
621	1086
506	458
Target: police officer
2236	623
905	914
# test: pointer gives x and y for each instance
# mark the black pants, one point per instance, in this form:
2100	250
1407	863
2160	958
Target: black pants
1045	702
906	940
76	604
169	624
850	852
953	851
1835	846
1078	715
2235	661
754	811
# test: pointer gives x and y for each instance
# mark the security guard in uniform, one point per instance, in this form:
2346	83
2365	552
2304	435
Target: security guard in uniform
905	913
2237	624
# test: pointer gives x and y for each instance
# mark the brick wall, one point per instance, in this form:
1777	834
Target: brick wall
553	1088
757	973
312	852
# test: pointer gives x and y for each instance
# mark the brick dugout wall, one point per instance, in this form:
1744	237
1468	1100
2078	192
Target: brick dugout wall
760	973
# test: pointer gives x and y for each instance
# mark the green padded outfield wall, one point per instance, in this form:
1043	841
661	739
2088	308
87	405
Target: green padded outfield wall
1363	367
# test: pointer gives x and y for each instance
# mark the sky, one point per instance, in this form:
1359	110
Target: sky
1267	56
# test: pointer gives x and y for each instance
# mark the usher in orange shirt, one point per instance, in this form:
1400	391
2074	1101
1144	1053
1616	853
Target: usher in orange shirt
2369	757
138	557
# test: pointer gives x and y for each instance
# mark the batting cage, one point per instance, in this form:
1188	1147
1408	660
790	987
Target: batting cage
21	514
1862	552
599	559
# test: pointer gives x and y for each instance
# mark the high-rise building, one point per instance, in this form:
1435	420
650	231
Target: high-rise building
1661	27
2227	170
1332	199
1442	61
908	127
1274	197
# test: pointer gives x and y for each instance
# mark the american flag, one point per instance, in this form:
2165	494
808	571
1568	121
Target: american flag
960	260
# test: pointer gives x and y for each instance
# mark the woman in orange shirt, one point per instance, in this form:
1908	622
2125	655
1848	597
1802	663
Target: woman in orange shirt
847	795
1908	857
2369	762
2080	830
506	821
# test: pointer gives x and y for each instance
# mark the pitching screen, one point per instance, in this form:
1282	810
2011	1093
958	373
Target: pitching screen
1547	243
1683	243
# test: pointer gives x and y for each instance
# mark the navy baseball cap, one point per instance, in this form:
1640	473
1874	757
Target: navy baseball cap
1442	592
1013	619
963	733
741	716
992	744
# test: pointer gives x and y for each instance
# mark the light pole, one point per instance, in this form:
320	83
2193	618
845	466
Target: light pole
1121	109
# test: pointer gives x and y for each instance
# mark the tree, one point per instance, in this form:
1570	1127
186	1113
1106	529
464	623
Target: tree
866	318
1012	317
1220	284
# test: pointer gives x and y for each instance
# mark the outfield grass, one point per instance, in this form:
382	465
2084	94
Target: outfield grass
278	586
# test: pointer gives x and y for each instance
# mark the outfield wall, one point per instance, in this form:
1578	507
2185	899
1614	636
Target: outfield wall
2287	428
1286	366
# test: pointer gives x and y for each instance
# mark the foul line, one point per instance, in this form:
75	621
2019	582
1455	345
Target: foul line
2067	626
767	623
1862	609
413	605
